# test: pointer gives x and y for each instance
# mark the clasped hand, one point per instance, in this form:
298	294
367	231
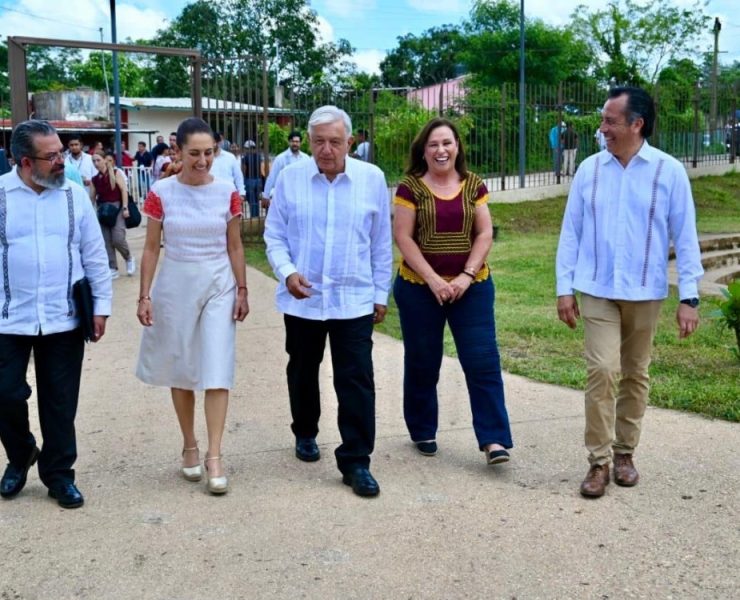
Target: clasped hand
450	291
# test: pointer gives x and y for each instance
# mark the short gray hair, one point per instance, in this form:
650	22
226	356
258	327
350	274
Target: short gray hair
22	138
329	114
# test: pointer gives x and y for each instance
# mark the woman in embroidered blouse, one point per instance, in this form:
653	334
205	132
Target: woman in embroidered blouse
109	185
189	315
443	228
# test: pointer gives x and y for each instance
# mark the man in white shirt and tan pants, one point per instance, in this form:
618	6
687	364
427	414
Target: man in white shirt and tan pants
626	204
49	239
328	236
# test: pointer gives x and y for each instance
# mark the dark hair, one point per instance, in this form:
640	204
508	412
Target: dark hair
362	132
295	133
142	144
158	149
640	105
74	137
217	137
417	166
191	126
23	136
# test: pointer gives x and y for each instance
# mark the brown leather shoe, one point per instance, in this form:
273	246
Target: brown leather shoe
624	471
596	481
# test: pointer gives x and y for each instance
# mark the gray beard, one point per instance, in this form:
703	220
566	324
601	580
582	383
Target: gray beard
51	182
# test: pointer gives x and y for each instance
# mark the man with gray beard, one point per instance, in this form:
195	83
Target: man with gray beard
49	239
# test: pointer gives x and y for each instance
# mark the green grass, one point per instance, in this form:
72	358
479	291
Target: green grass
698	374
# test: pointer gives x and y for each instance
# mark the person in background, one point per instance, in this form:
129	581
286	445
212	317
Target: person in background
556	147
109	186
363	146
226	166
252	166
161	157
51	240
79	160
624	208
143	160
569	145
189	314
442	227
287	157
4	164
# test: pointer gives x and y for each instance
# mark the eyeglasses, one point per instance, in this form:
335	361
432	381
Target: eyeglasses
50	158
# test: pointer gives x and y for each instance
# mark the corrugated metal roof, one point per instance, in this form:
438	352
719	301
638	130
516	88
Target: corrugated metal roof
185	105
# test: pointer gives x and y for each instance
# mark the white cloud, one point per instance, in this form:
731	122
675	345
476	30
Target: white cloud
344	8
32	18
450	6
369	60
326	31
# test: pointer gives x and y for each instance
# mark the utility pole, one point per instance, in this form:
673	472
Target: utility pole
102	62
713	108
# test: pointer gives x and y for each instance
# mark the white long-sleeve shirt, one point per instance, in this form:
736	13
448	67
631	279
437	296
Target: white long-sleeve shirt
281	161
83	164
226	166
618	225
48	241
336	234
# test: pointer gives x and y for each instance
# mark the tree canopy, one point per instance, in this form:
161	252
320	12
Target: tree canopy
631	40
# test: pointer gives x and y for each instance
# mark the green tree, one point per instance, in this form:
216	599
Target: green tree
90	73
284	33
638	39
4	81
50	68
429	58
491	53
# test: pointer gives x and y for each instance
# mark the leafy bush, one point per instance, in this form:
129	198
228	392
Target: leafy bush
729	312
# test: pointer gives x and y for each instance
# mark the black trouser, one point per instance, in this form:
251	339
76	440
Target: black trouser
58	364
351	346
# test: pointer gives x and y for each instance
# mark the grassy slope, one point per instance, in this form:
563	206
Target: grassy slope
698	374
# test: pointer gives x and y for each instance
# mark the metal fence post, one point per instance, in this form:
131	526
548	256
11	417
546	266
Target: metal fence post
502	136
695	153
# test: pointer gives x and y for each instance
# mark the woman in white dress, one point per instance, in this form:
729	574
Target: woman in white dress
190	314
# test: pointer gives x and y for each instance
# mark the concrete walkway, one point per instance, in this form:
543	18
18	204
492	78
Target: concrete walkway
442	527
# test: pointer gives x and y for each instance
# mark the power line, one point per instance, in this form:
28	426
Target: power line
35	16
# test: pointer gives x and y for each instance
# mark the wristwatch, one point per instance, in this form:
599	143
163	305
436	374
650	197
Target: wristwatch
692	302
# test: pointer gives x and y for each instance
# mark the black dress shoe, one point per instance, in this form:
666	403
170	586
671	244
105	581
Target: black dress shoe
14	478
307	450
67	495
362	482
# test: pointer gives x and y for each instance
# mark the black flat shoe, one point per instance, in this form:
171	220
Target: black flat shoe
496	457
307	450
67	495
14	478
362	482
428	448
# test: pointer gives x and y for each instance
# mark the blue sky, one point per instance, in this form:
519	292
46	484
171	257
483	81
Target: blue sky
372	26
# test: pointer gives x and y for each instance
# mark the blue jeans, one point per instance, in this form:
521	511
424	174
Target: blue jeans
471	320
252	189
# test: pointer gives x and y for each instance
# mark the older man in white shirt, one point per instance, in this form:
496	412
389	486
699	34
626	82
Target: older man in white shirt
624	208
328	237
49	239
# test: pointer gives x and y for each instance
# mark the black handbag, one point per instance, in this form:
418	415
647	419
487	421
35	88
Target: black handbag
83	299
134	215
107	214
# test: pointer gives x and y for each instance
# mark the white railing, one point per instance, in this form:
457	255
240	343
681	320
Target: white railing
139	180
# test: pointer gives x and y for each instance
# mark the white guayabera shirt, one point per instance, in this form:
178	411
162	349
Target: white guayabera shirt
336	234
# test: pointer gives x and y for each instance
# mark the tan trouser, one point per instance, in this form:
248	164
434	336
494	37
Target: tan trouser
619	337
